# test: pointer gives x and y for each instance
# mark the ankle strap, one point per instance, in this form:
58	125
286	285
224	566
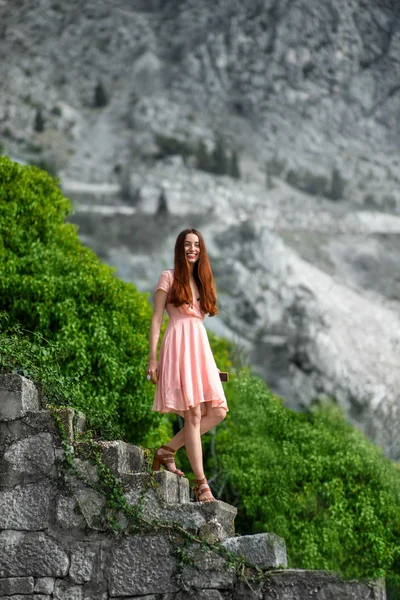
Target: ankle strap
202	481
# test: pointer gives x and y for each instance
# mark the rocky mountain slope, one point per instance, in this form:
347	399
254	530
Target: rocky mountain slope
306	244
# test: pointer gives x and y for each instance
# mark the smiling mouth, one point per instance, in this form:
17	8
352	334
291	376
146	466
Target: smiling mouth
189	255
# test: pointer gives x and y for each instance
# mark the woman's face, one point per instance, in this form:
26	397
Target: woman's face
192	248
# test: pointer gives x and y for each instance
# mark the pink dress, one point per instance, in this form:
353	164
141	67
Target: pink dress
188	375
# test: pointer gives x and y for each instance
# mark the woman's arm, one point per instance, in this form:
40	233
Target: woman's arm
160	298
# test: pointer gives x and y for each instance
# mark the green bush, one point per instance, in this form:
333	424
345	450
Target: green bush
170	146
311	478
56	287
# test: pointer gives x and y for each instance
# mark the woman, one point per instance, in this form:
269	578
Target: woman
186	376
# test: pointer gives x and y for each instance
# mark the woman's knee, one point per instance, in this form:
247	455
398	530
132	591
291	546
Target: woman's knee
218	414
193	417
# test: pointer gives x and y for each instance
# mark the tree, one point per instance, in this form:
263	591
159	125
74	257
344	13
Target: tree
100	96
219	158
234	168
203	158
162	209
39	121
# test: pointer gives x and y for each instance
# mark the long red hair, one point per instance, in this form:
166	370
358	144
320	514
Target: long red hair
181	292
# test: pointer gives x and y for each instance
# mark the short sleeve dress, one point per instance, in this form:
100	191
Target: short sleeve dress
188	375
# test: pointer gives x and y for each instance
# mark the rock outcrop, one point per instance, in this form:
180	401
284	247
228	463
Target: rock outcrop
57	543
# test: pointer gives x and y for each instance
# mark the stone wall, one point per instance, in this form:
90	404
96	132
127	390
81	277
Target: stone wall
57	542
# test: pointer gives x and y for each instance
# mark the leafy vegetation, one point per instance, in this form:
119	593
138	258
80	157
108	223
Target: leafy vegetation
58	289
311	478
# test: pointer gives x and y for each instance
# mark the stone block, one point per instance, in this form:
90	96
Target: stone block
298	584
26	597
199	595
263	550
211	521
119	456
34	554
44	585
25	507
91	595
84	557
66	513
208	570
79	421
16	585
64	590
32	423
168	487
87	470
149	558
18	395
91	504
28	460
245	590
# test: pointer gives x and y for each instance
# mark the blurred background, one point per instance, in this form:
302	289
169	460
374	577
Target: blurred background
273	127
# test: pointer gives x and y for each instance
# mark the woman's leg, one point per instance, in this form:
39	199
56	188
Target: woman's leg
193	440
211	419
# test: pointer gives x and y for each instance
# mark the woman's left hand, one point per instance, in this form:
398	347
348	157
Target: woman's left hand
152	370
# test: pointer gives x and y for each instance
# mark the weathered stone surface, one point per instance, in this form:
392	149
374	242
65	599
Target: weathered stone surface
18	395
198	595
63	590
26	597
148	597
247	591
16	585
84	556
89	594
31	424
212	521
27	460
119	456
89	500
31	554
79	421
25	507
211	570
296	584
44	585
66	515
168	487
87	470
263	550
149	558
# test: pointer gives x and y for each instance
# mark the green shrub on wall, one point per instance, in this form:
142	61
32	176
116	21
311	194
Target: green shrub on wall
53	285
311	478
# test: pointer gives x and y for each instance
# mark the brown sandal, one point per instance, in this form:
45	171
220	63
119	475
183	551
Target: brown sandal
165	459
202	488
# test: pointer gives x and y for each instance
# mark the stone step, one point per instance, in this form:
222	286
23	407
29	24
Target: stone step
18	395
168	487
211	521
262	550
119	456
